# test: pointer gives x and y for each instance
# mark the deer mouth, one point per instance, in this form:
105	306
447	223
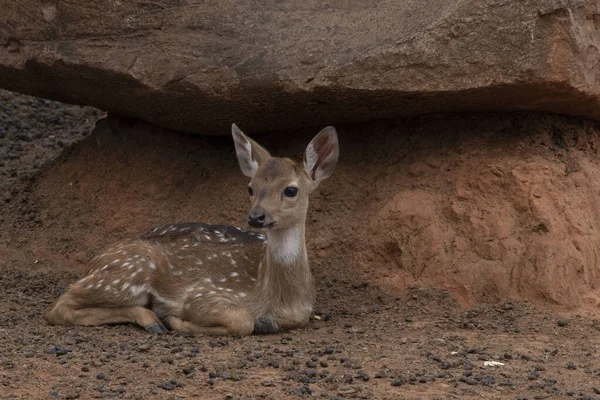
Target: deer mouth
268	226
263	228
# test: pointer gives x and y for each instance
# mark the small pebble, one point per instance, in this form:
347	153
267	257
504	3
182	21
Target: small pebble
468	381
445	365
533	375
167	359
166	386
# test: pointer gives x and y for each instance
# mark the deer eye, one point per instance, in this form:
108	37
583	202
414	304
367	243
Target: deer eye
250	191
290	191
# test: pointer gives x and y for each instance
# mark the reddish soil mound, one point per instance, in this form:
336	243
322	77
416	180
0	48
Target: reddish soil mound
491	207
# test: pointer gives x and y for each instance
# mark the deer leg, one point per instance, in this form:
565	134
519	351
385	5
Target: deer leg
222	320
67	312
136	314
177	324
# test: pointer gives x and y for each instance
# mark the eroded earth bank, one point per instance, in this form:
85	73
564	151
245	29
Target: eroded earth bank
439	243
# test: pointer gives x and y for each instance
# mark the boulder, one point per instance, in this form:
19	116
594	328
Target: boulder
272	65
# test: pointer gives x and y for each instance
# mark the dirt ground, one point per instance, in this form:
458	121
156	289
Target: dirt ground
407	308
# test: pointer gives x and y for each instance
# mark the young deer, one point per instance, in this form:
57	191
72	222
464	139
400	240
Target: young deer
214	279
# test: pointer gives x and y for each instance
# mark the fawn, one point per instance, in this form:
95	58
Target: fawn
214	279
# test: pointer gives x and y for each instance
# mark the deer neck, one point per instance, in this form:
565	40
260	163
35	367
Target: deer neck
286	248
285	280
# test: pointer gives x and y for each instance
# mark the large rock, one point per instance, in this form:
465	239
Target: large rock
280	65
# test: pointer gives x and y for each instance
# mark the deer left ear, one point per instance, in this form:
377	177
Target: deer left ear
321	155
249	153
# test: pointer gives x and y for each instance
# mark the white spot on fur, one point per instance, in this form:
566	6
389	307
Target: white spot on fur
233	274
207	280
242	294
137	290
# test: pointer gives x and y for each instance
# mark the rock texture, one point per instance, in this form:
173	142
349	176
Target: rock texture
269	65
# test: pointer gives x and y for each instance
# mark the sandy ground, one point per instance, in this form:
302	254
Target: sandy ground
62	202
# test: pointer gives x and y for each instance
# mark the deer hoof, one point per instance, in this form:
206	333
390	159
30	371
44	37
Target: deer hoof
156	329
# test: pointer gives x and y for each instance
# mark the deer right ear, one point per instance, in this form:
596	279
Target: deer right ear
249	153
321	155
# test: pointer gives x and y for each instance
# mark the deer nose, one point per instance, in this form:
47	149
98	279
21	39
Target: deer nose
257	218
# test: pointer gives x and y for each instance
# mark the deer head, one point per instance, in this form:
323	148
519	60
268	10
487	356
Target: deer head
279	188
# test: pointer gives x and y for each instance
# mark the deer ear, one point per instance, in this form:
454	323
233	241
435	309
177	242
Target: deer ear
249	153
322	155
